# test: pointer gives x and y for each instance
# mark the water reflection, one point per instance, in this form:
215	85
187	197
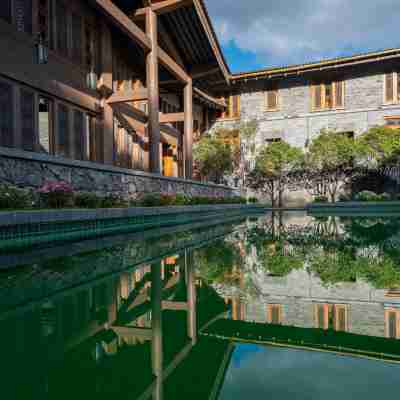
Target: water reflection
167	319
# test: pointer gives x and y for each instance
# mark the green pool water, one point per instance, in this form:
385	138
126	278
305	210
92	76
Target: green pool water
281	305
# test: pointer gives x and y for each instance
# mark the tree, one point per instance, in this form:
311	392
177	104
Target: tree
214	157
381	145
276	165
330	163
247	134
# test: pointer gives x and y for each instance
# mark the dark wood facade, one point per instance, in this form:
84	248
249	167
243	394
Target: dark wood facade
126	83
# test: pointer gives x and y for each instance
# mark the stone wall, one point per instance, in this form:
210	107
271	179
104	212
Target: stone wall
32	170
296	123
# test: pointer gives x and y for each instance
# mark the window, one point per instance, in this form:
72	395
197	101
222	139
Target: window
28	120
274	314
46	140
271	98
273	140
62	31
5	10
63	131
327	95
6	114
392	88
23	15
392	323
43	20
232	107
77	38
331	316
79	136
91	52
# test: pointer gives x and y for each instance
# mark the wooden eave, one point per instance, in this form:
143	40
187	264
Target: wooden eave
212	101
318	66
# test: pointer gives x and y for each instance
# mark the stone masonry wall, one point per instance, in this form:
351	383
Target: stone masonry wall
295	123
32	170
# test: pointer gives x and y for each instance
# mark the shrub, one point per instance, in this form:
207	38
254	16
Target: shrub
321	199
344	197
253	200
56	194
385	197
15	198
113	201
367	195
88	200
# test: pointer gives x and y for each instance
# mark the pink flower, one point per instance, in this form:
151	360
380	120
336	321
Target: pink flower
56	187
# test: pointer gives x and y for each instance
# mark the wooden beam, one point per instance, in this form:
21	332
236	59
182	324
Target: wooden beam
162	7
175	69
174	305
188	135
172	117
128	96
200	71
123	22
220	103
153	92
130	331
131	112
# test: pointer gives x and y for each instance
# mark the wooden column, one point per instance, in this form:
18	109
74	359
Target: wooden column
191	297
106	83
156	315
188	131
153	92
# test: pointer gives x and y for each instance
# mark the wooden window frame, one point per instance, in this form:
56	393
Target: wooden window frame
388	311
266	103
393	117
270	307
52	126
323	85
327	307
228	114
396	91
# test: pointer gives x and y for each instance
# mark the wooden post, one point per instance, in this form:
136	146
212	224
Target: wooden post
106	81
153	92
188	131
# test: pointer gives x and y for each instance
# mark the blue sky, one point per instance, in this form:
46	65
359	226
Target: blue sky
264	33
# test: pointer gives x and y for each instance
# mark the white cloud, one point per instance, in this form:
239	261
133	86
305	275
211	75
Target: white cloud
297	31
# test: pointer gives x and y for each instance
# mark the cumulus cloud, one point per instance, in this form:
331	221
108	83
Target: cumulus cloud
296	31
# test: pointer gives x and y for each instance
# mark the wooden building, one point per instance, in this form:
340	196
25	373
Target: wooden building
126	83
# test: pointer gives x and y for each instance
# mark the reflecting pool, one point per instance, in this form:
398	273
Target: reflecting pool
282	305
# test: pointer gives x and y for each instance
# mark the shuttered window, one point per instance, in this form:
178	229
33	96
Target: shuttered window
271	99
62	31
232	107
28	120
63	131
392	88
392	323
331	316
6	114
274	314
328	95
77	38
5	10
23	15
317	97
79	135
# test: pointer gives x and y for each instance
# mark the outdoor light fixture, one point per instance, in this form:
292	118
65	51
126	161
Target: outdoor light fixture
91	79
42	51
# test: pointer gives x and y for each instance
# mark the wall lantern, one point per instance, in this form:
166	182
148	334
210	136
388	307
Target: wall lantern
42	51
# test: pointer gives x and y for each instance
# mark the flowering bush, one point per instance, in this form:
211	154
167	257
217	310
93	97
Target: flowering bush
57	194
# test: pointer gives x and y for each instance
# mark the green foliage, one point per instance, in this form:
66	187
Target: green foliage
279	262
367	195
214	157
253	200
113	201
14	198
248	130
330	150
380	144
88	200
275	169
321	199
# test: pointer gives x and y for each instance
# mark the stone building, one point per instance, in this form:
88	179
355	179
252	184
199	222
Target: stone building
294	103
106	95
